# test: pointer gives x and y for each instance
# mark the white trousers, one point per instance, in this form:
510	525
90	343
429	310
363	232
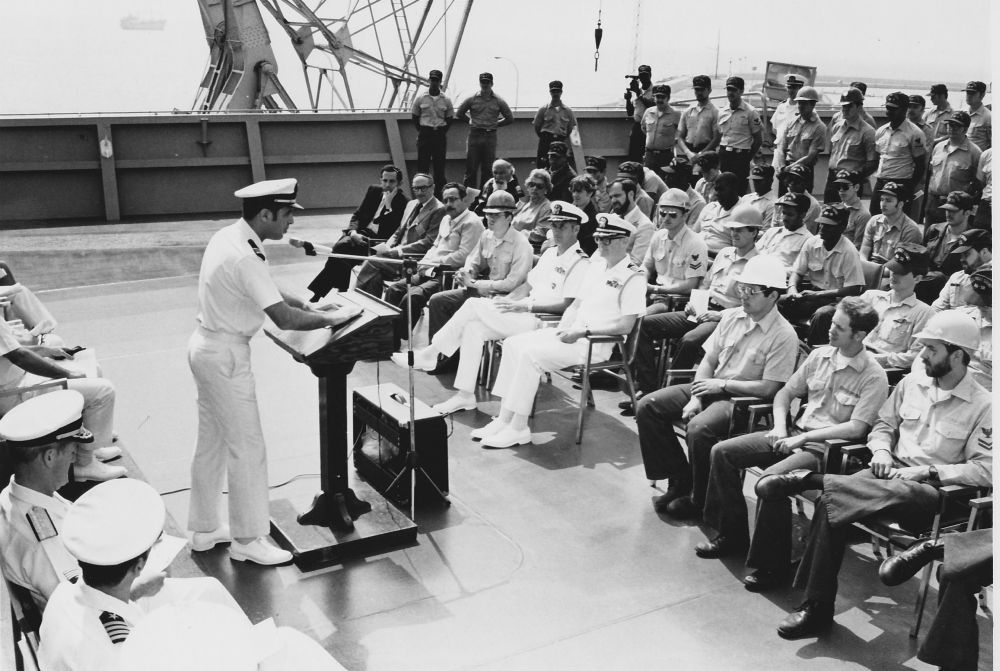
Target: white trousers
525	357
230	440
477	321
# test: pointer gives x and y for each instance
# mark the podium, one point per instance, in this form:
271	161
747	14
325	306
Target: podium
341	522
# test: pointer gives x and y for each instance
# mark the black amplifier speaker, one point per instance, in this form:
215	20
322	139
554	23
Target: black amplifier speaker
382	444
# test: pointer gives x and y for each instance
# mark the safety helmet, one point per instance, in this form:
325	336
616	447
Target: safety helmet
745	216
953	327
807	93
765	270
674	198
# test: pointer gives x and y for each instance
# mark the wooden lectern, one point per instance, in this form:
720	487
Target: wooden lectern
339	523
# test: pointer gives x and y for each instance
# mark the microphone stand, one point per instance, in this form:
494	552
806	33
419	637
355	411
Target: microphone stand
408	268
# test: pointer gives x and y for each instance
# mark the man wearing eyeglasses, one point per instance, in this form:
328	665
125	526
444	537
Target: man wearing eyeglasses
421	221
751	353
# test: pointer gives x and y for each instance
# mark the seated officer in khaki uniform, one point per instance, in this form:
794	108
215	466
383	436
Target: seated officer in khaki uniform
751	353
842	388
975	250
935	429
901	314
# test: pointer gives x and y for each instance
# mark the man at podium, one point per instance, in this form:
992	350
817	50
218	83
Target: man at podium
235	291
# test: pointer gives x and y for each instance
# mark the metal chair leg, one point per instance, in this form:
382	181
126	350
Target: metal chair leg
584	394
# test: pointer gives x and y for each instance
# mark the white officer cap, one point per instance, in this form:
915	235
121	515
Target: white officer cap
45	419
279	191
115	521
674	198
612	226
563	211
765	270
196	636
952	327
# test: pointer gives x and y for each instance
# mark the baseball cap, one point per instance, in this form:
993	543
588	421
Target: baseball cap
848	177
612	226
895	189
632	170
960	117
861	86
701	82
957	200
736	82
938	89
435	74
977	239
982	281
679	164
558	148
645	68
762	172
897	99
598	163
909	257
486	77
833	215
710	159
852	95
661	90
797	170
555	85
799	201
978	87
918	100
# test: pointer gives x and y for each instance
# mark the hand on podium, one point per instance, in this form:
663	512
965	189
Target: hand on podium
344	313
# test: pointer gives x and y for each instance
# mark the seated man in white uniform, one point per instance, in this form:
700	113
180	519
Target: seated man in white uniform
24	366
40	438
110	531
551	286
612	296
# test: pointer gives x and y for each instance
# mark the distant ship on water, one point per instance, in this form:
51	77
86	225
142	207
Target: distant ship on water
133	22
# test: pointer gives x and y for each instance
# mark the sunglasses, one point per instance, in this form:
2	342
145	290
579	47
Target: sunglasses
535	185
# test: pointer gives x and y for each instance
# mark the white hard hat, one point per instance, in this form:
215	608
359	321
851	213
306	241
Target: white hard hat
952	327
674	198
807	93
765	270
114	522
745	216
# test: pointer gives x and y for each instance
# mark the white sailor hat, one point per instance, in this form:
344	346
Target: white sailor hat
195	635
612	226
45	419
279	191
114	522
568	212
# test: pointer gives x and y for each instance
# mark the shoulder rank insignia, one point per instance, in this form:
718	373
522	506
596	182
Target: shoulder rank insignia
256	249
635	267
986	440
116	627
582	253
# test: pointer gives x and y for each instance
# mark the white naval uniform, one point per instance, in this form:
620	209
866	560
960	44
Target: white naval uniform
605	295
26	561
234	287
554	278
73	637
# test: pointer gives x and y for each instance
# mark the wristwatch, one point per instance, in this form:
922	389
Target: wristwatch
932	474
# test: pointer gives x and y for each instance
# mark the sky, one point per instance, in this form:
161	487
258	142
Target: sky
67	56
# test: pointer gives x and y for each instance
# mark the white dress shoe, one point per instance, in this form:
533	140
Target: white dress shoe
454	404
206	540
98	472
423	359
107	453
259	551
488	430
508	437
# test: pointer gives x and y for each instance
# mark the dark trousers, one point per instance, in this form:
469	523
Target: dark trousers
636	143
932	212
689	337
656	159
542	152
953	639
845	499
736	161
442	306
374	273
831	194
420	294
336	273
810	179
662	454
930	287
432	148
481	151
875	206
984	215
726	507
816	313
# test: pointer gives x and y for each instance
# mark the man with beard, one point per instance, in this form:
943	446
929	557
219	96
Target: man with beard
901	147
623	192
751	353
712	222
697	126
907	467
830	265
841	388
503	179
975	249
941	240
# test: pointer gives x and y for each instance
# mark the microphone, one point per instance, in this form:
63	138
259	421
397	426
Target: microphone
309	247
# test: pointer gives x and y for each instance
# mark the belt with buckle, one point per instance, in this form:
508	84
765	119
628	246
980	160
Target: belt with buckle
734	150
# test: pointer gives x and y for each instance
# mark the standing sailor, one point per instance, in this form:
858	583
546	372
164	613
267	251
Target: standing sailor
235	291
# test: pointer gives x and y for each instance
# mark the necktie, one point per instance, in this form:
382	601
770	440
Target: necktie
413	215
116	627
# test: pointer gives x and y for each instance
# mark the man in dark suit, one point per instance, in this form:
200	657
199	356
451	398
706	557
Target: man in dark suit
421	220
378	217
